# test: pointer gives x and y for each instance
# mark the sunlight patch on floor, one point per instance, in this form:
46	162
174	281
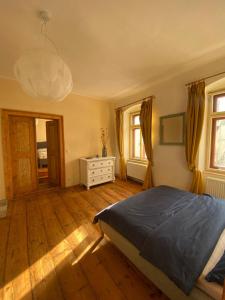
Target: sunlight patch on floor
80	234
44	266
17	286
89	249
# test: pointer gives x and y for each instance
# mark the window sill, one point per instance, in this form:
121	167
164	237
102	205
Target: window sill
214	173
138	161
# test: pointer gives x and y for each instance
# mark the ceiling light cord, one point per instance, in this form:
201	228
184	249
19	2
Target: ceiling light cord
44	23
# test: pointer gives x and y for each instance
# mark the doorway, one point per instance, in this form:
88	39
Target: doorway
47	146
42	152
33	149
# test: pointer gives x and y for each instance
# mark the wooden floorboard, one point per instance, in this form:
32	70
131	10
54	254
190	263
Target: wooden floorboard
44	281
17	274
70	276
4	233
46	249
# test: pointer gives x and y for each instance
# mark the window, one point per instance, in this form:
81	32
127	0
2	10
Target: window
137	150
217	128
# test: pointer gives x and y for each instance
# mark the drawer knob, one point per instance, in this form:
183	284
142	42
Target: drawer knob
101	170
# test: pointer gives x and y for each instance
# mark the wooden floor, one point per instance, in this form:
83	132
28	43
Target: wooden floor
44	245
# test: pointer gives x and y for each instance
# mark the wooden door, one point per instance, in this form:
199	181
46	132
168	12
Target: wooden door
23	154
52	134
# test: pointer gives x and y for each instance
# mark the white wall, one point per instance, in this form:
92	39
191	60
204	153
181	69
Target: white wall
83	118
171	97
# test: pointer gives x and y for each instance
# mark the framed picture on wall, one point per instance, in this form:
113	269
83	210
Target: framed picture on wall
172	129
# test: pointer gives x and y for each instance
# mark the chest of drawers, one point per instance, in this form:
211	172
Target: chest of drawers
97	170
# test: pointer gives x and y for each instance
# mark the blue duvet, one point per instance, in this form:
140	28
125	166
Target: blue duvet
173	229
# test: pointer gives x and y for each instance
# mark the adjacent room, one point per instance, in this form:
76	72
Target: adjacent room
112	150
47	151
42	151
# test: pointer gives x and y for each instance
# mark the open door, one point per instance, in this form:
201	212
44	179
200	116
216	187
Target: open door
23	154
20	151
52	134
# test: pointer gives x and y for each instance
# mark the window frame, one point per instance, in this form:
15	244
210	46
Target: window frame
212	116
216	96
132	128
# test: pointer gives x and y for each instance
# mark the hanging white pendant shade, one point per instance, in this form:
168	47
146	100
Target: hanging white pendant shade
42	73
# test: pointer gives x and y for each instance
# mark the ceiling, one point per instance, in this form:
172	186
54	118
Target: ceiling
113	46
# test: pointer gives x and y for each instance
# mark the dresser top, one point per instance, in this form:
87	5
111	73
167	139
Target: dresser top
97	158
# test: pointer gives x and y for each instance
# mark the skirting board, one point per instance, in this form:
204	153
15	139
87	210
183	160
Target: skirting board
135	179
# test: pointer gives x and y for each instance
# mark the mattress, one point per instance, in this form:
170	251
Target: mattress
203	289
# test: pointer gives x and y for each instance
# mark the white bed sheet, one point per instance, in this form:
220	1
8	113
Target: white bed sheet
213	289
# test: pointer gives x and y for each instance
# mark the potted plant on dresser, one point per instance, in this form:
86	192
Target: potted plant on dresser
104	139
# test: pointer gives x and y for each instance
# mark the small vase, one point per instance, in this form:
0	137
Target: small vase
104	151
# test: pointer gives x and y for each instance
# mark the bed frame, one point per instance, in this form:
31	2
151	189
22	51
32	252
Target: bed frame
151	272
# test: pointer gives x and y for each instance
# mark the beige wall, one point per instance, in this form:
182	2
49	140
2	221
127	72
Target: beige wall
41	130
170	166
83	118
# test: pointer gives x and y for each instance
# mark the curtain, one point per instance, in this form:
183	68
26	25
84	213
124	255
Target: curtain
195	117
120	143
146	129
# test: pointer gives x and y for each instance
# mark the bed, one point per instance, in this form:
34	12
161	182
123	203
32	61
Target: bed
174	237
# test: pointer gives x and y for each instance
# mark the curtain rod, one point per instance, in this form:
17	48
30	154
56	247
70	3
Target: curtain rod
204	78
137	101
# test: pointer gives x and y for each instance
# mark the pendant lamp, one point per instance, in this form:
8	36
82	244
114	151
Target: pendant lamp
42	72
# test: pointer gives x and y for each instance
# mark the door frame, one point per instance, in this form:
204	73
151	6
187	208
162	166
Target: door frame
6	145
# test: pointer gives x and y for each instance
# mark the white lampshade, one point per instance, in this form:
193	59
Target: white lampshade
42	73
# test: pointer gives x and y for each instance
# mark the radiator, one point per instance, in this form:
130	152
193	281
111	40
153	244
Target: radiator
215	187
136	171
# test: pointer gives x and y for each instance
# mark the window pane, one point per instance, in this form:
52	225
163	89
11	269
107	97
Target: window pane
219	103
218	153
137	142
136	120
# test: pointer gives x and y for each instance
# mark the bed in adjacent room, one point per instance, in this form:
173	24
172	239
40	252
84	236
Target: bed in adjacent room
174	237
42	154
